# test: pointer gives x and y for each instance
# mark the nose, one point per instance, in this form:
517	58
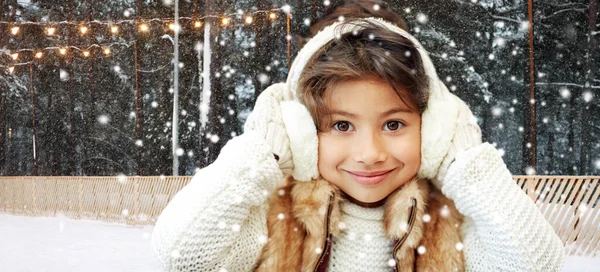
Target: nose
370	149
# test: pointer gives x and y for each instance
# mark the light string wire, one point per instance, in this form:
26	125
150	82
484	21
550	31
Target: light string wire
247	19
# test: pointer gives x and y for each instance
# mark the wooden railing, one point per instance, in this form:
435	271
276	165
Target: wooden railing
569	203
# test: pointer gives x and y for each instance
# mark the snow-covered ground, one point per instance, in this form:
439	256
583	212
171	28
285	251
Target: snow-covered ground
63	244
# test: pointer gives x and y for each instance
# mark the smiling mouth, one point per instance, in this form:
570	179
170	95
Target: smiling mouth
369	178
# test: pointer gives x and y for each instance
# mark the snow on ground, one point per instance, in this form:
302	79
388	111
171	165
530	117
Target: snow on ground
63	244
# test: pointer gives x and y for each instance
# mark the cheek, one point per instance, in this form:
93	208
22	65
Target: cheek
328	153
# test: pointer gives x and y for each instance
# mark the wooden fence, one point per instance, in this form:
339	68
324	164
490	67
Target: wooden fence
569	203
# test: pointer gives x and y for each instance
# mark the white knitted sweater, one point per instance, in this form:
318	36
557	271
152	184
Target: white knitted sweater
362	242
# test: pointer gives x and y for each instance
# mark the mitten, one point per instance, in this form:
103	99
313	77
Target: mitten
467	135
266	121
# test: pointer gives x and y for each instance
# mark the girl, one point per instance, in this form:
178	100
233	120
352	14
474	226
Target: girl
385	171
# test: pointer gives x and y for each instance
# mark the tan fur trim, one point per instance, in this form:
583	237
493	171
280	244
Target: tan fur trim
396	219
311	201
440	236
286	231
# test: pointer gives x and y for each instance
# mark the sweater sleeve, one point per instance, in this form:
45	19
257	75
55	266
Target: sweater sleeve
503	229
218	221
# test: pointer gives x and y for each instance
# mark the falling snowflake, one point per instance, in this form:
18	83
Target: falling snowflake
426	218
263	78
422	18
565	93
391	262
598	164
121	178
139	143
103	119
125	212
421	250
497	111
64	75
459	246
235	228
530	171
588	96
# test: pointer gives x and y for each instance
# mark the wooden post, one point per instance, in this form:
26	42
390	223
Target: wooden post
532	86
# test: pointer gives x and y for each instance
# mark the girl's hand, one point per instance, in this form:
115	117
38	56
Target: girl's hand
266	121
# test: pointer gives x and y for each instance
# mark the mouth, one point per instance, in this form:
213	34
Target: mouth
369	178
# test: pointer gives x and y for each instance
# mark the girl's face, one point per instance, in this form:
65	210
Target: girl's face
374	143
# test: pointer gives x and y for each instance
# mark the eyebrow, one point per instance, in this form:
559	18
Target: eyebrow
386	113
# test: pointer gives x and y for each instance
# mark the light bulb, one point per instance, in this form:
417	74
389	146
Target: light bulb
51	30
63	51
225	21
107	51
249	19
197	24
39	55
114	29
86	53
84	30
144	27
15	56
14	30
11	69
272	15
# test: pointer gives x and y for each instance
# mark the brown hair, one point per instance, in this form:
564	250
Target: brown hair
355	9
374	51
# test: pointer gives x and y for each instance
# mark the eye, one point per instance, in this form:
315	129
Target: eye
342	126
393	125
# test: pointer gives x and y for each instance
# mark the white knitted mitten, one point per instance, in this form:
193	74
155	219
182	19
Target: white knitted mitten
266	121
467	135
503	229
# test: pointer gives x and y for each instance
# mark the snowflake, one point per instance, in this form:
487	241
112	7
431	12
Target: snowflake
565	93
422	18
179	151
588	96
459	246
421	250
121	178
103	119
530	170
426	218
139	143
64	75
598	164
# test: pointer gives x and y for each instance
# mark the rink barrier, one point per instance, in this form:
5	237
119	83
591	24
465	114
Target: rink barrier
569	203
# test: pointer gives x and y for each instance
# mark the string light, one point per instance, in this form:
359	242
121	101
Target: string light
272	16
114	29
106	51
172	26
14	30
83	30
249	19
11	69
86	53
143	27
14	56
225	21
197	24
50	31
39	55
62	51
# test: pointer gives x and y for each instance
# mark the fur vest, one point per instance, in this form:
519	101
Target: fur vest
303	218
